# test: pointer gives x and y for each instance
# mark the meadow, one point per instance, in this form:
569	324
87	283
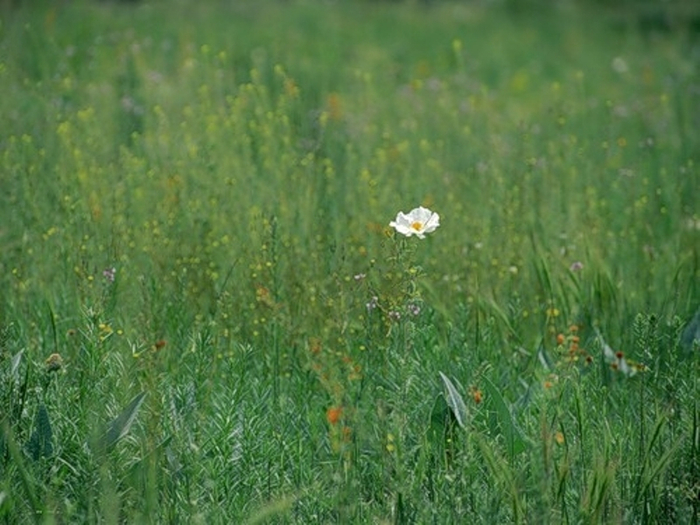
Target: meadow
205	316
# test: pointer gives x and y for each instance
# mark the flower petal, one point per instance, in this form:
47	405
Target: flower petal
432	223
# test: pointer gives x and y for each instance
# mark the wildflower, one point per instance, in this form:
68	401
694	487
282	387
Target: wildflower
618	362
550	381
390	447
105	331
315	345
576	266
335	107
477	395
559	437
619	65
264	296
418	221
560	339
109	274
105	328
553	312
355	373
359	277
333	415
373	302
394	315
414	309
54	363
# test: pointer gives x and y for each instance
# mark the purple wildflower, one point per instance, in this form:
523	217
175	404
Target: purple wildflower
413	309
576	266
373	302
394	315
109	274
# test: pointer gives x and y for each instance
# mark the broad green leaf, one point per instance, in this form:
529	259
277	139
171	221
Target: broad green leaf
544	358
40	443
442	421
455	401
121	425
14	366
691	333
515	441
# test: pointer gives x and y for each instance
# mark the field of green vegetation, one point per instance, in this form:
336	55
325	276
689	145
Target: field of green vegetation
205	316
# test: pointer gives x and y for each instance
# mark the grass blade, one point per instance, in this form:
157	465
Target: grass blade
15	455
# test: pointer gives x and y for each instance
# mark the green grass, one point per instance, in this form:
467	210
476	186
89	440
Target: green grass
237	164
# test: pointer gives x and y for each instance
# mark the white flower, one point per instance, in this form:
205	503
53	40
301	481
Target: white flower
418	221
576	266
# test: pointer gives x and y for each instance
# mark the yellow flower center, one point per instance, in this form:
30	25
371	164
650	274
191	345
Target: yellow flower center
418	226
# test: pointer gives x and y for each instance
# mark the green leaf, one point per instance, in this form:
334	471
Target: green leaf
121	425
455	401
544	358
691	333
515	441
27	482
40	443
14	366
441	420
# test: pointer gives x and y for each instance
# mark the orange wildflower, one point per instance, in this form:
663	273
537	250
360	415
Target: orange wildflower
333	415
315	345
335	107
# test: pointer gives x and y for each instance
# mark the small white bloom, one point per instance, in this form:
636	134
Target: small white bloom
418	221
576	266
619	65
